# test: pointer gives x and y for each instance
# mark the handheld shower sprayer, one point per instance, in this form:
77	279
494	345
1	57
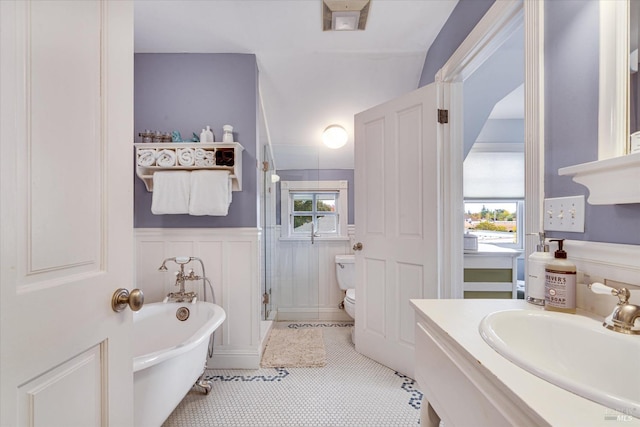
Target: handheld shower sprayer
181	260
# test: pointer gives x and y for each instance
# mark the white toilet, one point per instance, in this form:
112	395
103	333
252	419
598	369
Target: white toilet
346	274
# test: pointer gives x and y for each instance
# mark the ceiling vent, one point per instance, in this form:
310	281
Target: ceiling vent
344	15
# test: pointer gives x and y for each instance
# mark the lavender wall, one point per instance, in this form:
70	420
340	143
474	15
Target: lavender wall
462	20
571	117
317	175
186	92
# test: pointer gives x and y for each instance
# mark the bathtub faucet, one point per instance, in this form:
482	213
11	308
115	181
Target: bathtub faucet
181	277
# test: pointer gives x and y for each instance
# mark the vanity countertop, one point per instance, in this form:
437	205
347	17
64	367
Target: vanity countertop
554	404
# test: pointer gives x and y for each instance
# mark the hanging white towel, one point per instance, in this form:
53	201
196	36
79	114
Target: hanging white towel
171	192
210	191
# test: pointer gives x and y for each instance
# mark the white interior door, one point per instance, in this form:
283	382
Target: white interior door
397	222
66	122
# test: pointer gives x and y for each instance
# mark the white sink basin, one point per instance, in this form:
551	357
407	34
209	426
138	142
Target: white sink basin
571	351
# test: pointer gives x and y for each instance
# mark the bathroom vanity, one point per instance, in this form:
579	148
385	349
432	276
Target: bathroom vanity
467	383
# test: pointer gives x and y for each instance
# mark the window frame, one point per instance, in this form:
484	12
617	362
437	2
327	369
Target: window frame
290	188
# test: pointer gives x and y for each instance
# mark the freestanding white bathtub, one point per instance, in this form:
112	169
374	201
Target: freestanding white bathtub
169	355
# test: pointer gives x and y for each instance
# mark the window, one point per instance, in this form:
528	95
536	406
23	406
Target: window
499	222
314	206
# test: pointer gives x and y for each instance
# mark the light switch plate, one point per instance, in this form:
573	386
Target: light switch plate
564	214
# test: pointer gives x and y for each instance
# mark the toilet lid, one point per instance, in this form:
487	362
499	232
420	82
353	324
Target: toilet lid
351	295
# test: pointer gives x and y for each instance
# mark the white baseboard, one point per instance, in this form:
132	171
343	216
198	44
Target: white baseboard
234	359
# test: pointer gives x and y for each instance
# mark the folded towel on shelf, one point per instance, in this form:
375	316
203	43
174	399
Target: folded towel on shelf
166	158
171	192
210	193
205	162
186	156
147	157
199	154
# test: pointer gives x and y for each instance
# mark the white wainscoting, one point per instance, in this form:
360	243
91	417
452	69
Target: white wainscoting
232	261
305	283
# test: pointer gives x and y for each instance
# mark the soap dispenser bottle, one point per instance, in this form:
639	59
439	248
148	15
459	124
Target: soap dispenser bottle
560	282
535	271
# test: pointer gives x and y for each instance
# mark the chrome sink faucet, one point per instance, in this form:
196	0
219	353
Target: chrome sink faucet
624	315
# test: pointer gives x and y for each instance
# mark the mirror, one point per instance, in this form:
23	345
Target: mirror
618	106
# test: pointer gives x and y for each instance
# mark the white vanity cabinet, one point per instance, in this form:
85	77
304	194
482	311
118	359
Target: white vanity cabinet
458	387
468	384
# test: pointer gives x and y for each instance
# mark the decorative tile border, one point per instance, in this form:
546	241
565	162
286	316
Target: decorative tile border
319	325
408	385
281	373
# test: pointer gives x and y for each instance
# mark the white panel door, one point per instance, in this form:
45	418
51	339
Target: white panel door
397	222
66	230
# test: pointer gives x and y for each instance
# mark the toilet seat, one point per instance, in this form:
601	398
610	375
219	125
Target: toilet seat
350	303
350	296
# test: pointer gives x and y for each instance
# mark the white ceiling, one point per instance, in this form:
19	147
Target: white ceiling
309	79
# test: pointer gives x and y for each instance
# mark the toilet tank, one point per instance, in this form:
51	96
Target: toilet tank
346	271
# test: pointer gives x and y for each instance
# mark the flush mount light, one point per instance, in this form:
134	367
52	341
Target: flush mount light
334	136
344	15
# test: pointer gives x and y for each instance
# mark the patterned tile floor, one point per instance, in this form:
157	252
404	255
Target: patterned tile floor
351	390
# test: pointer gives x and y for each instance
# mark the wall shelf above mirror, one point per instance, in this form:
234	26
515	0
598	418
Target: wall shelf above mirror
153	157
614	177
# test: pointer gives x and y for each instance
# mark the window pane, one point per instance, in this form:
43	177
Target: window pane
492	222
327	224
326	202
302	202
302	223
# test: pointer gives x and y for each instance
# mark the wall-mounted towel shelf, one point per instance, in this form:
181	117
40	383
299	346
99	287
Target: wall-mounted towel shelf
152	157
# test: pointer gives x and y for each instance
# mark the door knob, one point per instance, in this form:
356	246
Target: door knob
357	246
121	298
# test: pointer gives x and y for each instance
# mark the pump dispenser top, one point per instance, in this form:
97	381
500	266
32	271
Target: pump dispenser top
560	253
542	245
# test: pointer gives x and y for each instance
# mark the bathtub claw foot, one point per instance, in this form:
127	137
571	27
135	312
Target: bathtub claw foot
205	385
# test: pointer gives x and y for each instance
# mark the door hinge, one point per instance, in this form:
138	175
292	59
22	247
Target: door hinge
265	166
265	298
443	116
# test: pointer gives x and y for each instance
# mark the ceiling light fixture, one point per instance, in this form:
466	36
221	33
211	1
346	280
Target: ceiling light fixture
344	15
335	136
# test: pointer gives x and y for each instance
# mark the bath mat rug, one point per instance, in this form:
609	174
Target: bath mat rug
294	348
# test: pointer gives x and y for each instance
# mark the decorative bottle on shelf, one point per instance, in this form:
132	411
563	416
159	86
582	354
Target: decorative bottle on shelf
203	136
209	134
227	135
560	282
